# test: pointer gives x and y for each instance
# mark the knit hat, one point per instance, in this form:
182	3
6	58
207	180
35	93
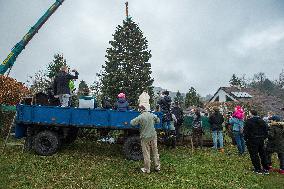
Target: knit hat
239	112
121	95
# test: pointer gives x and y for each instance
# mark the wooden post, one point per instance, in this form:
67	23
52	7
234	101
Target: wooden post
126	10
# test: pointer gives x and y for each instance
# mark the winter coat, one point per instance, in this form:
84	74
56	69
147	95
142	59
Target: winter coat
177	111
121	104
144	100
165	107
216	120
106	104
147	122
237	124
196	123
255	128
165	104
276	138
61	82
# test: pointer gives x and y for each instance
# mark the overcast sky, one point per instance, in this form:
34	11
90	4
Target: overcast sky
198	43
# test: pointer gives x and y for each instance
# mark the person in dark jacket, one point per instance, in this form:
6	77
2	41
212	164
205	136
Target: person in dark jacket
197	130
276	142
216	120
121	103
177	111
165	108
106	103
255	132
61	85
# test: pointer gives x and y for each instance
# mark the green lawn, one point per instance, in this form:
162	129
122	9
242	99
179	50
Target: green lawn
94	165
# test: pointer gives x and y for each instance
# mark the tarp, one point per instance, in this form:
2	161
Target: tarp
187	125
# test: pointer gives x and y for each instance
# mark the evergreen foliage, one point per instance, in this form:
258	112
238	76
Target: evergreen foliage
235	81
42	80
83	88
54	67
192	98
127	68
179	99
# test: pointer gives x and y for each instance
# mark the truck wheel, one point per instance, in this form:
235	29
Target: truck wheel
132	148
46	143
71	136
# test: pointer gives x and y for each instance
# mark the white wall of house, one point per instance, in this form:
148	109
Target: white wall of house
222	96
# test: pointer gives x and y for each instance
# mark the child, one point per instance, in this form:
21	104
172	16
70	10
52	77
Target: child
121	103
237	122
276	142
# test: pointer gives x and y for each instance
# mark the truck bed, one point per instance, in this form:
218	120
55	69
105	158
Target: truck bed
74	117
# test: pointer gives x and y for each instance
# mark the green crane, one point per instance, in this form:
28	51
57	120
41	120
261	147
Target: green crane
17	49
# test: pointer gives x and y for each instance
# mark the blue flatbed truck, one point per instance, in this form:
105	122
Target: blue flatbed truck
46	128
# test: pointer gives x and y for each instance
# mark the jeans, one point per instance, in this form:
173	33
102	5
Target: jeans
168	126
239	138
64	100
217	136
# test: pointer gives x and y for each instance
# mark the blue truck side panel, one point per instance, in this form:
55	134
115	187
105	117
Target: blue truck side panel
77	117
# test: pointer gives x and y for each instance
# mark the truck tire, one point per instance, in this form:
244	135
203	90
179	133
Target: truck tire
71	136
132	148
46	143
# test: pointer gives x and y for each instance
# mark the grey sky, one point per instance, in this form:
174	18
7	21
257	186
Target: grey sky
198	43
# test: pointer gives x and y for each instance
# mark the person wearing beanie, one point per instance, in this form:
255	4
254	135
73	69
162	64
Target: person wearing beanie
148	135
276	142
121	103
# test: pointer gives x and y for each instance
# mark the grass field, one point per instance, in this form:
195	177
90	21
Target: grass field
95	165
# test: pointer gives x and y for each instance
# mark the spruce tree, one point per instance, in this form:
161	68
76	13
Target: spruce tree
127	68
179	99
54	67
83	88
235	81
192	98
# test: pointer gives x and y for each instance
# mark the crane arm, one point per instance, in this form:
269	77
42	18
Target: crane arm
17	49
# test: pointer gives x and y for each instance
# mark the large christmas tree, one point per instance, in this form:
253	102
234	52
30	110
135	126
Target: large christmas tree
127	68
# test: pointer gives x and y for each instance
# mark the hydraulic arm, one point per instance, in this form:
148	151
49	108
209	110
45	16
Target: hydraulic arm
17	49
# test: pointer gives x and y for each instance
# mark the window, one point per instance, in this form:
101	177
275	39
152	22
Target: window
228	99
216	99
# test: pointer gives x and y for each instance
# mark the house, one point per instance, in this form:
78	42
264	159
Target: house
266	102
227	94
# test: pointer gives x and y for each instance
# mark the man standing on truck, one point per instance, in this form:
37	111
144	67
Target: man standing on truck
148	136
61	85
165	107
